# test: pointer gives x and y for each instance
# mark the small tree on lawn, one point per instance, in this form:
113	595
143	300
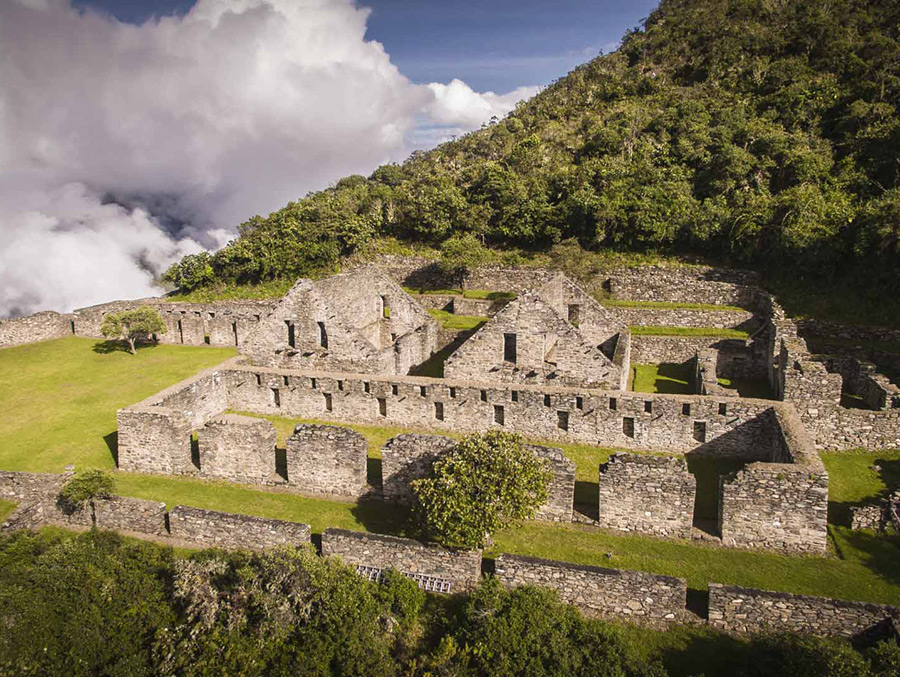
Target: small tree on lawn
133	325
83	490
486	483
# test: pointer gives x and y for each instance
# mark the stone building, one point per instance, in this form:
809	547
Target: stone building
361	321
556	333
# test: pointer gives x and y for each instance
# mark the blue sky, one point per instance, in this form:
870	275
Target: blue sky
493	45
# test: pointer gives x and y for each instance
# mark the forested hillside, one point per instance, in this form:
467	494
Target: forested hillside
760	132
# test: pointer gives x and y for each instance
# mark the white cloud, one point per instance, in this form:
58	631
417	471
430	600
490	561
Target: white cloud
119	144
459	105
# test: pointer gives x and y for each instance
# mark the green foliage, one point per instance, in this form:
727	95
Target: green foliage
763	133
527	631
486	483
192	272
458	322
88	605
796	656
139	324
87	486
462	253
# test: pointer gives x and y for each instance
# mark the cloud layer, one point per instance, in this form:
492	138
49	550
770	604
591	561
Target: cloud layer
123	147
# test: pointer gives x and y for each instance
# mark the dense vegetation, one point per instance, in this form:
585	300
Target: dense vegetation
98	604
761	132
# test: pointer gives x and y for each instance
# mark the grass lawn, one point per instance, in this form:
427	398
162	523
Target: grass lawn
711	332
59	398
82	389
273	289
467	293
458	322
6	508
666	305
675	379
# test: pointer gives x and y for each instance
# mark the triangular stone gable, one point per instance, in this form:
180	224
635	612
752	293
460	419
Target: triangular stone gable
547	348
348	322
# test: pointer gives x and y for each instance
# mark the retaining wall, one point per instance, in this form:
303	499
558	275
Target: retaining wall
229	530
744	610
327	459
635	595
461	568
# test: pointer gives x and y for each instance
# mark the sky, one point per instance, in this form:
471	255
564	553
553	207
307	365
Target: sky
134	132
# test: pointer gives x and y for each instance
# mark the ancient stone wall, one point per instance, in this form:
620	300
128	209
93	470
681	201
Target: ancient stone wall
238	449
561	491
782	504
38	327
637	596
735	358
122	513
737	609
327	459
21	486
682	284
409	457
647	494
612	418
500	278
460	568
682	317
228	530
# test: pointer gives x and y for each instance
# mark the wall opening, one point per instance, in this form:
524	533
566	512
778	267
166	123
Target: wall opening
328	402
499	415
547	400
382	406
195	451
613	404
259	379
562	420
648	406
686	409
452	393
234	331
323	335
422	391
628	426
312	383
723	409
287	381
574	314
180	332
276	396
514	395
700	431
579	403
72	325
291	334
366	387
340	385
484	395
439	411
394	389
385	308
509	348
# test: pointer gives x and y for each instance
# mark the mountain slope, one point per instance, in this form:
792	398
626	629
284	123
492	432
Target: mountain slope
764	132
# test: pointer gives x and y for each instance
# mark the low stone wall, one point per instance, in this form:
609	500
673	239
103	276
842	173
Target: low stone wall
22	486
409	457
682	284
647	494
735	358
746	610
327	459
561	491
229	530
635	595
461	568
507	279
867	517
38	327
238	449
682	317
122	513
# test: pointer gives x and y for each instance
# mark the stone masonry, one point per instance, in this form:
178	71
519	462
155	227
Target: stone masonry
238	449
327	459
647	494
742	610
409	457
228	530
637	596
461	568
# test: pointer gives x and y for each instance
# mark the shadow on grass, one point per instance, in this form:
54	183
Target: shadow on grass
889	470
112	443
383	517
373	471
108	347
717	652
877	552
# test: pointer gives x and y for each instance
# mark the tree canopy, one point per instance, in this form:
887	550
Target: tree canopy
135	325
484	484
763	133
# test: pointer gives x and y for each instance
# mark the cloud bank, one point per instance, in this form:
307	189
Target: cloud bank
123	147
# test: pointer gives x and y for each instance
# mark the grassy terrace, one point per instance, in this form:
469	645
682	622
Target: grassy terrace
59	400
484	294
458	322
711	332
677	379
667	305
